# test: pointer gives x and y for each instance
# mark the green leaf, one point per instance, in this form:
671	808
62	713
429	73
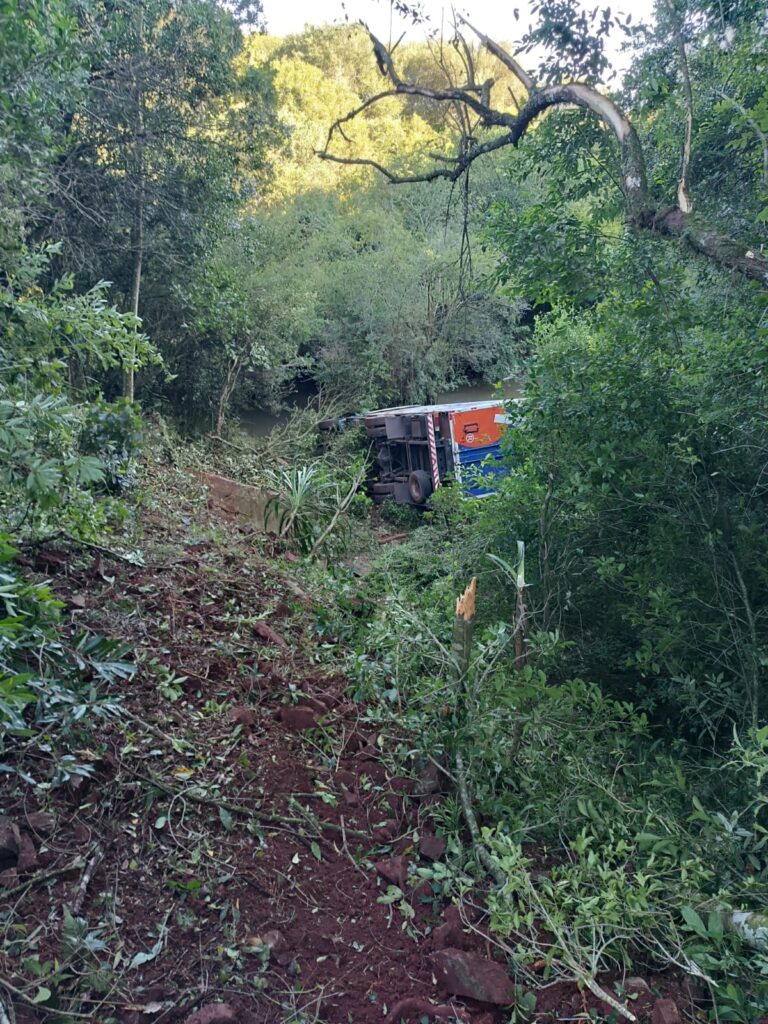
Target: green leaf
316	851
43	479
694	922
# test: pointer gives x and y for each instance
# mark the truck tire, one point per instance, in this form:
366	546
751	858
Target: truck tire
419	486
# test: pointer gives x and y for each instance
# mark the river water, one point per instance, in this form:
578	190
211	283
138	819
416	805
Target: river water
259	422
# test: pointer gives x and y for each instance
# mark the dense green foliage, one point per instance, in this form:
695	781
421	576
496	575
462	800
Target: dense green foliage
166	216
637	483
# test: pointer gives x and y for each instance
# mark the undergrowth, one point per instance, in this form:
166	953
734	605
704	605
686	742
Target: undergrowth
624	849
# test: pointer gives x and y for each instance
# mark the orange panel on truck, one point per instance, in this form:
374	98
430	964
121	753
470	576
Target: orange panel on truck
476	428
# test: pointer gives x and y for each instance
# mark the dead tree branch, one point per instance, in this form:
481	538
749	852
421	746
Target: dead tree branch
641	211
683	191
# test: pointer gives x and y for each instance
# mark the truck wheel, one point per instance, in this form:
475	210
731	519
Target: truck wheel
419	486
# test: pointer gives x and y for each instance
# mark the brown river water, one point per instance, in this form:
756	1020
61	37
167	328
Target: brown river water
259	422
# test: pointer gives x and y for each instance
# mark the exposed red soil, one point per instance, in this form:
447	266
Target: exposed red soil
286	828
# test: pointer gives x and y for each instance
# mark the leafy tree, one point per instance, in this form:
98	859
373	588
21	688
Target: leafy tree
162	146
56	454
41	76
567	77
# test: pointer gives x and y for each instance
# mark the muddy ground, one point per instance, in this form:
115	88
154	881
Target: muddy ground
233	854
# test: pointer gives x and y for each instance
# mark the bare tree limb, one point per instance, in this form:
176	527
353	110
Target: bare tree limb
503	57
683	191
640	210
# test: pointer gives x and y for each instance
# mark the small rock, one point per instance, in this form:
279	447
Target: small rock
27	854
429	781
9	844
393	870
298	719
431	847
318	706
40	822
214	1013
450	934
265	632
473	977
242	716
402	784
665	1011
637	996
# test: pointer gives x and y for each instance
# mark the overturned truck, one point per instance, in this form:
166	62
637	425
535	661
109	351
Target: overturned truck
418	447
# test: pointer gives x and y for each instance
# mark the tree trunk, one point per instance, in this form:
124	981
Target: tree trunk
137	228
225	395
137	248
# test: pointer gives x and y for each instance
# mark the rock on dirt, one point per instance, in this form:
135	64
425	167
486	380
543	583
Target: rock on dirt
431	847
214	1013
665	1011
393	870
265	632
475	977
9	844
298	719
450	934
243	717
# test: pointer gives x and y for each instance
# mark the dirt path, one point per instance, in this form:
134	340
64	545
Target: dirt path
238	846
239	835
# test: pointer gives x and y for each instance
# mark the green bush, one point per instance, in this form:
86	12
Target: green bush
113	431
48	683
